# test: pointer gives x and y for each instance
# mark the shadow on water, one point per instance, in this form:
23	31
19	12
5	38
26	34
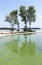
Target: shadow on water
22	45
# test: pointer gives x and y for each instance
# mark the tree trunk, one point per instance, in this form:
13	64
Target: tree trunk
25	25
30	30
18	26
12	27
29	24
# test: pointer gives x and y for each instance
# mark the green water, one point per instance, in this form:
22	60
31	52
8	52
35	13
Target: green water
21	50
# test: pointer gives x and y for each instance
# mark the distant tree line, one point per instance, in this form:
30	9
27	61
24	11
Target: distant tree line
5	28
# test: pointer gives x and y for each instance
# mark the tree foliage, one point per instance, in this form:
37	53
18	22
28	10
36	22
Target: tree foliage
27	15
23	14
12	18
31	17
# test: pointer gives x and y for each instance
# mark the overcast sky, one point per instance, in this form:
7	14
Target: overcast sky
6	6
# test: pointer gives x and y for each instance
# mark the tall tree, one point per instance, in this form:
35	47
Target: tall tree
12	18
14	15
23	15
31	17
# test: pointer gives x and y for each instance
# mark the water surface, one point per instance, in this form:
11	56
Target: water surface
21	49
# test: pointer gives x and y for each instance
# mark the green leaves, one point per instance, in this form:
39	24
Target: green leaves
8	19
22	12
27	15
31	14
31	17
12	18
23	15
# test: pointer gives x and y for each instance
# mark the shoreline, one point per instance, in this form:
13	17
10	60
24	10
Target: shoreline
20	33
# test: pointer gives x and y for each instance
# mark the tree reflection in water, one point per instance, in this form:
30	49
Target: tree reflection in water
13	44
27	48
